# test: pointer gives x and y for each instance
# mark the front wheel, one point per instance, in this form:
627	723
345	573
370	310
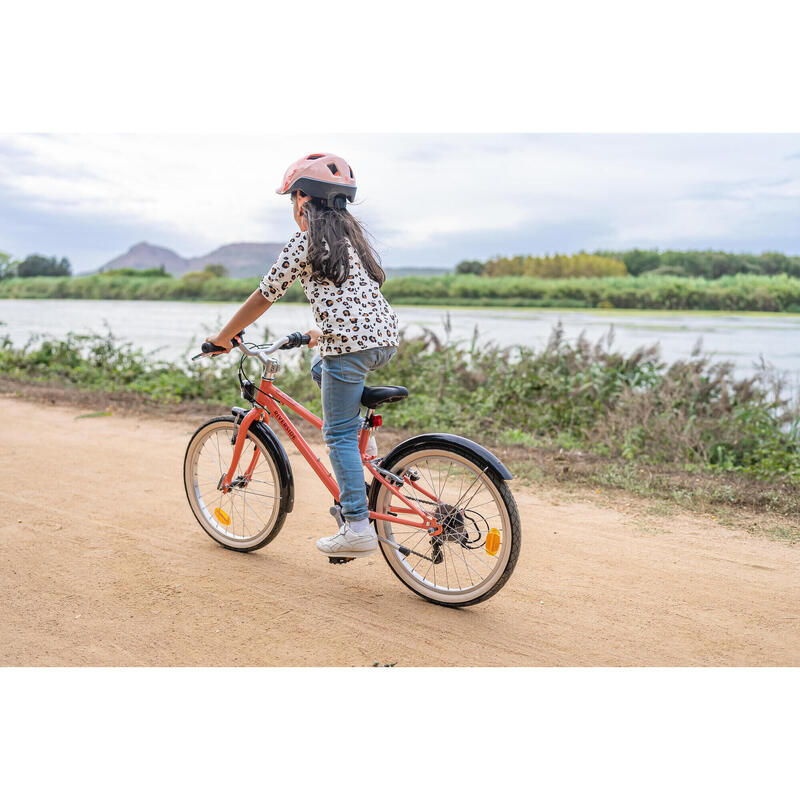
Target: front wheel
248	516
477	550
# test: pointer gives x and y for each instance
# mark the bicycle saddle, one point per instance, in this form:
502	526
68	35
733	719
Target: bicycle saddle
374	396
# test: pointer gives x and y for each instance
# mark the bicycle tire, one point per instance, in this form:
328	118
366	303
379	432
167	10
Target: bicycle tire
512	535
212	527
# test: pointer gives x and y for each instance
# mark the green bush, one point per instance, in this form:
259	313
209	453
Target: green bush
574	395
129	272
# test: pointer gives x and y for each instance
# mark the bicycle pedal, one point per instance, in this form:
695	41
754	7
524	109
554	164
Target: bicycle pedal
336	560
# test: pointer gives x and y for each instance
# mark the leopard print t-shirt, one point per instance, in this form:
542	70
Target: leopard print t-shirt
352	317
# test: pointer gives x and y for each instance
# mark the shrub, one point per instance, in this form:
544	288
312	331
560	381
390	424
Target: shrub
575	395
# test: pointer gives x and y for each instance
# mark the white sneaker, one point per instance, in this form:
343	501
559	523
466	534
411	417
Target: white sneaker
349	544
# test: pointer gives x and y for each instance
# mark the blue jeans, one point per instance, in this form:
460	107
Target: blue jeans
341	379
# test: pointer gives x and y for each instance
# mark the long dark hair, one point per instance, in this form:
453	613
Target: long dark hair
337	227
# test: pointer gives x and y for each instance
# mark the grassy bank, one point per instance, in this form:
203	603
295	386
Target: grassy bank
732	293
570	411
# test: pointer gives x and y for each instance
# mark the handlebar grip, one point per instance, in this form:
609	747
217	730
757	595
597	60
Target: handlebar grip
296	340
207	347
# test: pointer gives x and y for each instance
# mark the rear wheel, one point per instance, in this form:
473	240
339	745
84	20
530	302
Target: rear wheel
251	514
477	550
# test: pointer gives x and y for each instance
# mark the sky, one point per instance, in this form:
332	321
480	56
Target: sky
428	199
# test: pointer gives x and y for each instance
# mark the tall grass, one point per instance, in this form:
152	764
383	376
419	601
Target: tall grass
578	395
573	395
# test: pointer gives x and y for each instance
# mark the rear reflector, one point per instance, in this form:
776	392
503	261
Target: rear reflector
377	420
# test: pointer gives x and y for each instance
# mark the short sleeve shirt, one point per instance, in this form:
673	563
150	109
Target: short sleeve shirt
354	316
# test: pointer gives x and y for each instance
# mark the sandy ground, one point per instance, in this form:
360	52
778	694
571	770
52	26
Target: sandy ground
102	563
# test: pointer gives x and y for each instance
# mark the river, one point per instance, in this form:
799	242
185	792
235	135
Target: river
174	329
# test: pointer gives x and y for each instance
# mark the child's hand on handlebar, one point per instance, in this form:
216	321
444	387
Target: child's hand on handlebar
221	341
313	336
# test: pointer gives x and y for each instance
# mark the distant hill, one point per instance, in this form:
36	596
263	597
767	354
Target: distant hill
242	260
145	256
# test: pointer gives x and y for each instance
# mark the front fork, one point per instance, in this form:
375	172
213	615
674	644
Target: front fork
225	484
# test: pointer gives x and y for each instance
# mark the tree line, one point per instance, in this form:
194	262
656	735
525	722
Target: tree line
36	266
709	264
33	266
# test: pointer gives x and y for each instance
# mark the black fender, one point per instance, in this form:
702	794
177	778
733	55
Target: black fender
467	446
273	445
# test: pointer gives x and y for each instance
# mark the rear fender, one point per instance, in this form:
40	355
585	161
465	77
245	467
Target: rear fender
458	443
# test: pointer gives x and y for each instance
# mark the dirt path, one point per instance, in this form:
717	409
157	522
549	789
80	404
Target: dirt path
102	563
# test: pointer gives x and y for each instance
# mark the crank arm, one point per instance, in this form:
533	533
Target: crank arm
405	551
336	513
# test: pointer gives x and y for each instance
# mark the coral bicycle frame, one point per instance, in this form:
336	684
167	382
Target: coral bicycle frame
268	403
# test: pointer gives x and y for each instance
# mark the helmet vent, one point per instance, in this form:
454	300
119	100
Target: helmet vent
314	155
334	169
351	172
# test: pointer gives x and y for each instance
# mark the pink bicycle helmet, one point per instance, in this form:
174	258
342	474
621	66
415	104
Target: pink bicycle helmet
322	175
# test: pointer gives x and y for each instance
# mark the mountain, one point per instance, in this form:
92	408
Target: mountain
145	256
242	260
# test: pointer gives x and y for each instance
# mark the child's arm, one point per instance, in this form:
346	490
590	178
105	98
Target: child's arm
251	310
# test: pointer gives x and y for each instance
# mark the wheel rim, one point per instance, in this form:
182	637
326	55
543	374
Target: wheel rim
466	571
245	515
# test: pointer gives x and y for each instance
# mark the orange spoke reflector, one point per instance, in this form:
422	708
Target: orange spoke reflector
226	520
492	541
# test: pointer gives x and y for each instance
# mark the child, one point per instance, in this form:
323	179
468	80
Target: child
341	276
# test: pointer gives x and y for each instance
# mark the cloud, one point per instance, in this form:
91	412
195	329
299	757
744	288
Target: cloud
88	243
428	199
484	243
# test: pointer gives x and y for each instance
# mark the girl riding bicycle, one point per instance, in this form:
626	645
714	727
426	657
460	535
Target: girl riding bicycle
341	276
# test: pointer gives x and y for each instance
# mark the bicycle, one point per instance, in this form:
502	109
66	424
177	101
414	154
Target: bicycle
447	523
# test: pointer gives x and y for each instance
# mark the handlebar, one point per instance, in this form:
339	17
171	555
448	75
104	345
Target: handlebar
258	351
